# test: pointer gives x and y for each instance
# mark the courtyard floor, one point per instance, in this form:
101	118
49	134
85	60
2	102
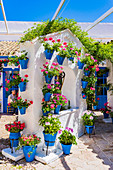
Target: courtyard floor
95	153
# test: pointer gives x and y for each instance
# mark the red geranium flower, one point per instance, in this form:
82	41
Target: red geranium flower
31	102
43	100
98	98
53	41
58	40
45	39
83	95
50	38
6	89
26	75
65	43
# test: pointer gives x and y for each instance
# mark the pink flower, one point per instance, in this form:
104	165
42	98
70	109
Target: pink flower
22	79
52	67
97	69
61	46
66	45
27	142
72	130
76	52
64	49
42	70
45	39
60	131
86	69
56	68
83	95
49	86
47	123
92	58
95	60
49	117
9	104
91	117
57	82
8	81
78	58
54	64
46	72
52	106
46	63
53	116
50	38
13	76
57	98
92	88
60	71
87	54
67	128
6	89
18	66
18	98
71	48
61	67
57	88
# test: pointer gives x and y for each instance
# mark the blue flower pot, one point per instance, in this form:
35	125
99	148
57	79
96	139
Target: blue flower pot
57	109
71	58
83	95
66	148
84	84
5	64
14	136
48	79
24	63
22	86
60	59
29	156
46	113
50	138
86	73
22	110
95	107
47	96
80	65
89	129
112	119
105	115
48	54
16	64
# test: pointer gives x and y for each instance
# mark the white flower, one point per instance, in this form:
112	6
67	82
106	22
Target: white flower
53	116
47	123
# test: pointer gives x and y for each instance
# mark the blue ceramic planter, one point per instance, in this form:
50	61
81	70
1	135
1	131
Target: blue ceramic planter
5	64
83	95
48	79
14	136
84	84
80	65
47	96
48	54
105	115
22	110
95	107
27	149
50	138
60	59
24	63
71	58
57	109
22	86
86	73
89	129
66	148
46	113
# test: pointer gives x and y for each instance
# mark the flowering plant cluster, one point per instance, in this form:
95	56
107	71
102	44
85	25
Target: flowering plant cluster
51	88
15	80
88	118
13	60
15	127
50	123
5	61
66	136
19	102
22	55
54	70
107	108
59	99
47	106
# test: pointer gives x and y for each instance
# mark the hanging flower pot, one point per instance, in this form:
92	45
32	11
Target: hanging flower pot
86	73
71	58
89	129
47	96
48	79
49	139
45	113
57	109
29	152
22	86
48	54
84	96
60	59
24	63
22	110
66	148
80	65
5	64
95	107
105	115
84	84
14	143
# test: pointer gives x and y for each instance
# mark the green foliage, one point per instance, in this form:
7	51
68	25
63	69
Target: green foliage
22	55
13	60
59	99
88	118
51	88
66	137
50	123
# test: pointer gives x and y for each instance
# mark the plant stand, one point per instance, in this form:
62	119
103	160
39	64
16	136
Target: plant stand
93	132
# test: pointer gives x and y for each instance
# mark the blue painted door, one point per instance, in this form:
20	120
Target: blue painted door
100	91
7	75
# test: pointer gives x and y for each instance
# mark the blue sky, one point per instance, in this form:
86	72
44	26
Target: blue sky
37	10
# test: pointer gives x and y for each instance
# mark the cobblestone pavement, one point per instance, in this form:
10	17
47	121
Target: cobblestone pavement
95	153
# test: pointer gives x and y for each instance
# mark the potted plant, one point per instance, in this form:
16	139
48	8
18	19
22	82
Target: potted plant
95	103
86	71
21	104
51	126
5	62
50	46
13	60
54	70
73	51
23	59
59	100
62	53
67	139
106	110
88	120
29	145
22	84
84	82
14	128
80	63
47	107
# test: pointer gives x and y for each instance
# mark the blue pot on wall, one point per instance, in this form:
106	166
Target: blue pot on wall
45	113
84	96
60	59
86	73
14	136
105	115
24	63
29	152
57	109
80	65
50	138
89	129
66	148
22	86
47	96
48	79
22	110
5	64
48	54
71	58
84	84
95	107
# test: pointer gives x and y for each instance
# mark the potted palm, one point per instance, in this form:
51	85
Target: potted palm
29	145
88	120
23	59
51	126
67	139
14	128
